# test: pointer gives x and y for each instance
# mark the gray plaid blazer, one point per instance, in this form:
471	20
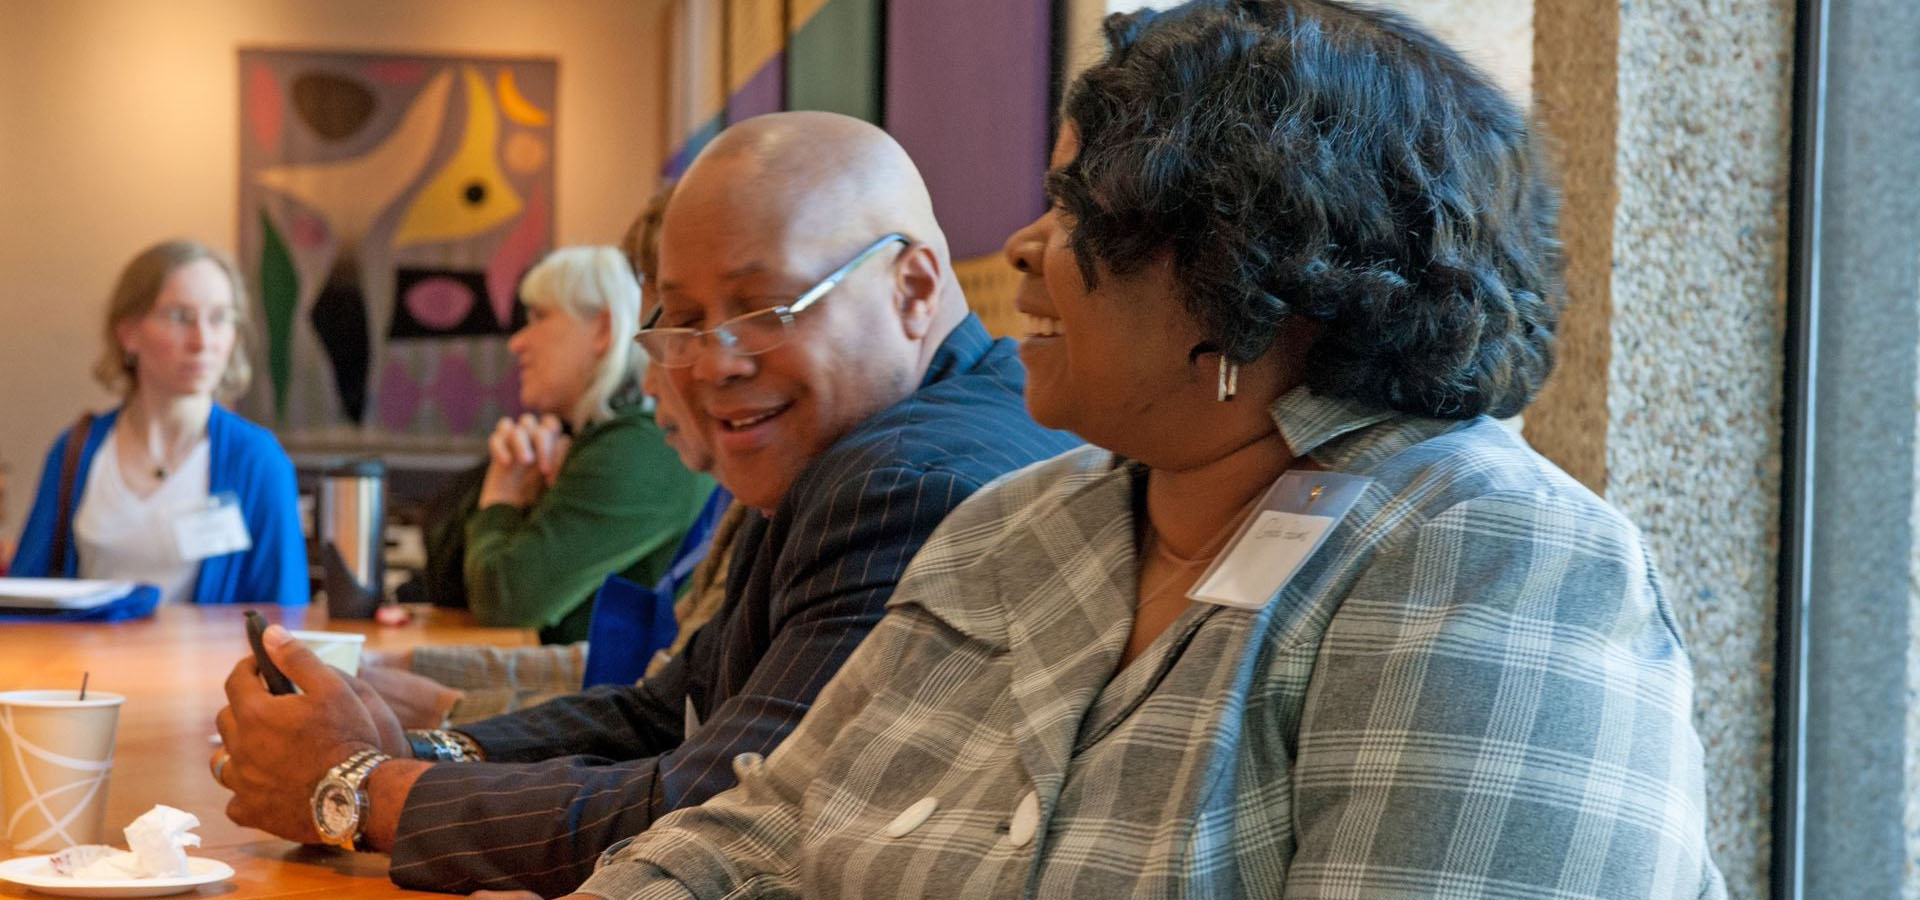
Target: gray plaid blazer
1475	689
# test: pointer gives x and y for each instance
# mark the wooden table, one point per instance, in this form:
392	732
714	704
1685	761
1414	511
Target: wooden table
170	668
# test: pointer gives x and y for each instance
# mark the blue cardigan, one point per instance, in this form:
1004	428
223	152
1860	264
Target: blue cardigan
243	458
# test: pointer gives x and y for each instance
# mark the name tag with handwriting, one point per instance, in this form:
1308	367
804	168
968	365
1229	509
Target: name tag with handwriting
1288	526
1264	560
213	530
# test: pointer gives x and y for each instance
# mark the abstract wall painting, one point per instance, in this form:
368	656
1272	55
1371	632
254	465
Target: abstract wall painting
388	207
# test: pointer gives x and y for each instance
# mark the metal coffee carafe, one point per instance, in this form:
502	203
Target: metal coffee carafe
350	525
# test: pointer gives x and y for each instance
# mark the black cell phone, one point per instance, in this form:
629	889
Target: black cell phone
277	681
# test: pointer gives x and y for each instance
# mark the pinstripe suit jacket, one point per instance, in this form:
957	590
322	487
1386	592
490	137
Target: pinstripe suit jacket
1475	689
569	777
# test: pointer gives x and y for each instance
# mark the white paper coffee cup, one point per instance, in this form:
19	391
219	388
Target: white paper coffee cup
338	649
56	752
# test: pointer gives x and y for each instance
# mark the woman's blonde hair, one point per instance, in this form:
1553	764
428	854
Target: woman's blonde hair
584	282
133	297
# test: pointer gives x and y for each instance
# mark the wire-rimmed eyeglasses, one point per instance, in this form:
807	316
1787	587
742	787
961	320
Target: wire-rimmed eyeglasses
751	333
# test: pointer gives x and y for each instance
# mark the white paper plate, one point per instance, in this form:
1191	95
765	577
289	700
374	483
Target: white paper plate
36	872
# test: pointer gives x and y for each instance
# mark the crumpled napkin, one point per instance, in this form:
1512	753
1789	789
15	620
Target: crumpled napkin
156	843
159	840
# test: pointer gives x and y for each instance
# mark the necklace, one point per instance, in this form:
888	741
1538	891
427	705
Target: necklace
1205	555
1183	565
161	464
165	461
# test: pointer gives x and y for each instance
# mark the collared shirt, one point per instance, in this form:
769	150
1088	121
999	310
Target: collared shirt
1474	688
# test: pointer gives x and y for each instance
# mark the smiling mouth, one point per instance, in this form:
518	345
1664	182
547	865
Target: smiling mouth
745	422
1039	326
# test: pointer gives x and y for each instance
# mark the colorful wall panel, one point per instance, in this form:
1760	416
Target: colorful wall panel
756	57
931	73
833	55
952	69
388	207
697	81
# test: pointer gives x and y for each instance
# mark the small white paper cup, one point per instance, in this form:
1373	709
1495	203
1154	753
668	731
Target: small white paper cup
338	649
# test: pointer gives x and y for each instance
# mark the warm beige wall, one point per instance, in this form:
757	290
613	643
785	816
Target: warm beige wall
119	125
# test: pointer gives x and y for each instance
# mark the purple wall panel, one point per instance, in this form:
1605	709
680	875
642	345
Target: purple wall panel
765	92
967	96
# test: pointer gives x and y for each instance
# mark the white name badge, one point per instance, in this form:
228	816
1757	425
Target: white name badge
1285	530
213	530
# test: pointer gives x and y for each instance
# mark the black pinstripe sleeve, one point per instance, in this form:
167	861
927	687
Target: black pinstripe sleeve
539	825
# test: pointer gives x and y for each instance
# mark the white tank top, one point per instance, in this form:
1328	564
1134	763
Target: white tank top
124	537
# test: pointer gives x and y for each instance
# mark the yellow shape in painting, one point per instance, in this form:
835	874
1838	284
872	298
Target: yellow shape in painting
470	195
352	193
516	105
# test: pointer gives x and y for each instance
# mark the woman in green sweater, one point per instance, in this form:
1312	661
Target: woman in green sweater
583	484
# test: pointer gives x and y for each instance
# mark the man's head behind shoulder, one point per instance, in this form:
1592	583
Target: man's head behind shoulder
769	209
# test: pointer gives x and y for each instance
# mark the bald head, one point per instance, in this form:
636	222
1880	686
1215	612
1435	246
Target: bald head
827	178
767	211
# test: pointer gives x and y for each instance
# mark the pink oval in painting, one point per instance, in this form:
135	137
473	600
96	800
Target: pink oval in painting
439	303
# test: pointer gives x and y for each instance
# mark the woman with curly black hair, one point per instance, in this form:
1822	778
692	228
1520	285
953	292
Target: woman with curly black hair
1297	253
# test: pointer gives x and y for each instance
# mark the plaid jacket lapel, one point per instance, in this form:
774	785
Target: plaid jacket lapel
1065	583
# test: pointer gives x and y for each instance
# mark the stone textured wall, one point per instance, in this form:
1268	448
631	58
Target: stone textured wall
1694	382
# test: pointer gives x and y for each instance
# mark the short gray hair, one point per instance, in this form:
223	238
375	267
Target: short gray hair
584	282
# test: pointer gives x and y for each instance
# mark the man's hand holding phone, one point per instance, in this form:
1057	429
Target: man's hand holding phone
279	745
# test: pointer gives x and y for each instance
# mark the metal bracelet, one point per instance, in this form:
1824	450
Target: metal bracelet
469	749
442	745
430	746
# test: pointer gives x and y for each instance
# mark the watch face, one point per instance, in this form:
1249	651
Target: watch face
338	812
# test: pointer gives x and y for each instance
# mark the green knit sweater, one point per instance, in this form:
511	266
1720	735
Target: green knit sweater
621	503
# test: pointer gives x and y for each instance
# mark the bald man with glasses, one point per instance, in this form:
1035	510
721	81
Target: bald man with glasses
852	410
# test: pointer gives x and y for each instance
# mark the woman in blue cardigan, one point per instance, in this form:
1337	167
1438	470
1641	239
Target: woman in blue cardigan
169	488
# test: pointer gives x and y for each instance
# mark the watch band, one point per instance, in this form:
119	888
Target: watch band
354	769
469	749
351	774
443	745
429	746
